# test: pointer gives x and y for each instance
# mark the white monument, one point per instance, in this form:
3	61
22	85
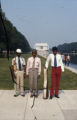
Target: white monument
42	49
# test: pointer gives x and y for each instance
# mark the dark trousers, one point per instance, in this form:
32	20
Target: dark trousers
55	76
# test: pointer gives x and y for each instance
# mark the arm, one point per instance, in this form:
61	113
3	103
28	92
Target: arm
12	69
24	65
39	69
12	74
24	68
62	65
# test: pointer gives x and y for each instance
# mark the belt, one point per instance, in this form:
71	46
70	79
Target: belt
33	68
19	70
56	67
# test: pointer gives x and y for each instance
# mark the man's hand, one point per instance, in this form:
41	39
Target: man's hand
63	73
45	68
27	76
14	75
38	76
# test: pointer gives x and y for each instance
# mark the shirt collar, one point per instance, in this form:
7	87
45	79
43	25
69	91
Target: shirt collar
55	55
18	57
33	57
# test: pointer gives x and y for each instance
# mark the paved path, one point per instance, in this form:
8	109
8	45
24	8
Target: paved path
71	69
64	108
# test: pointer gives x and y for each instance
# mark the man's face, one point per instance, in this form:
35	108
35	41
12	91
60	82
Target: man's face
18	54
55	52
34	54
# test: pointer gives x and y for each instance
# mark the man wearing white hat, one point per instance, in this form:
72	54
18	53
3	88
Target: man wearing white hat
19	69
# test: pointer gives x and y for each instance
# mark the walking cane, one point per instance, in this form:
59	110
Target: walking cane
45	86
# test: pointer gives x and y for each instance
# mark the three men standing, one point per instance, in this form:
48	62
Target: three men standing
33	71
19	69
57	66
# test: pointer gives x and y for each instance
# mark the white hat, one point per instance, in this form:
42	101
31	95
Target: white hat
18	51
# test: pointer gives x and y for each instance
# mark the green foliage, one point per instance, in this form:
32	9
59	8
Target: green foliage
16	39
68	47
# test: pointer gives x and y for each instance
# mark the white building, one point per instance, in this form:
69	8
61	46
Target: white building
42	49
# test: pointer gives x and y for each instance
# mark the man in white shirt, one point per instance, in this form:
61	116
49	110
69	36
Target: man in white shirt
33	71
57	66
19	69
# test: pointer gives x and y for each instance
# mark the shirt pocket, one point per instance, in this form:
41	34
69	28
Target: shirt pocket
37	64
22	63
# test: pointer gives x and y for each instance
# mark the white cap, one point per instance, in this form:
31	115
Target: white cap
18	51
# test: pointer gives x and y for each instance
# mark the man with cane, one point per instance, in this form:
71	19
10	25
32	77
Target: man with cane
57	67
18	70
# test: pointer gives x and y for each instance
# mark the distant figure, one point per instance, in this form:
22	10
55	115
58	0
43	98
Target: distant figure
68	59
65	59
57	67
19	69
33	71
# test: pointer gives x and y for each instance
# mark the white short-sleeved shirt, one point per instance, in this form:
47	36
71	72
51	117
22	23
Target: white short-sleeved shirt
22	60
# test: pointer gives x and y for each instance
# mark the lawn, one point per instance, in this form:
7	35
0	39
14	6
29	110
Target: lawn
68	79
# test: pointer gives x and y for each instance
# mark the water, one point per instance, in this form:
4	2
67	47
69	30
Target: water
73	66
74	59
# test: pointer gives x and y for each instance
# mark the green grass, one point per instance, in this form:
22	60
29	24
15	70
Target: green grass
68	79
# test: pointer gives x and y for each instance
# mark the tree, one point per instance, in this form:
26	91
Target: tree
16	39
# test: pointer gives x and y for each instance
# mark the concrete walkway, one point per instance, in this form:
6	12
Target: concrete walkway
26	108
71	69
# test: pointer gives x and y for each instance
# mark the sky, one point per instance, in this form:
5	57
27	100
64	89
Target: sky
46	21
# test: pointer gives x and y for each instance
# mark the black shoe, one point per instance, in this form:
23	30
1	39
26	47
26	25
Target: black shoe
23	95
15	95
51	97
57	96
31	96
36	96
